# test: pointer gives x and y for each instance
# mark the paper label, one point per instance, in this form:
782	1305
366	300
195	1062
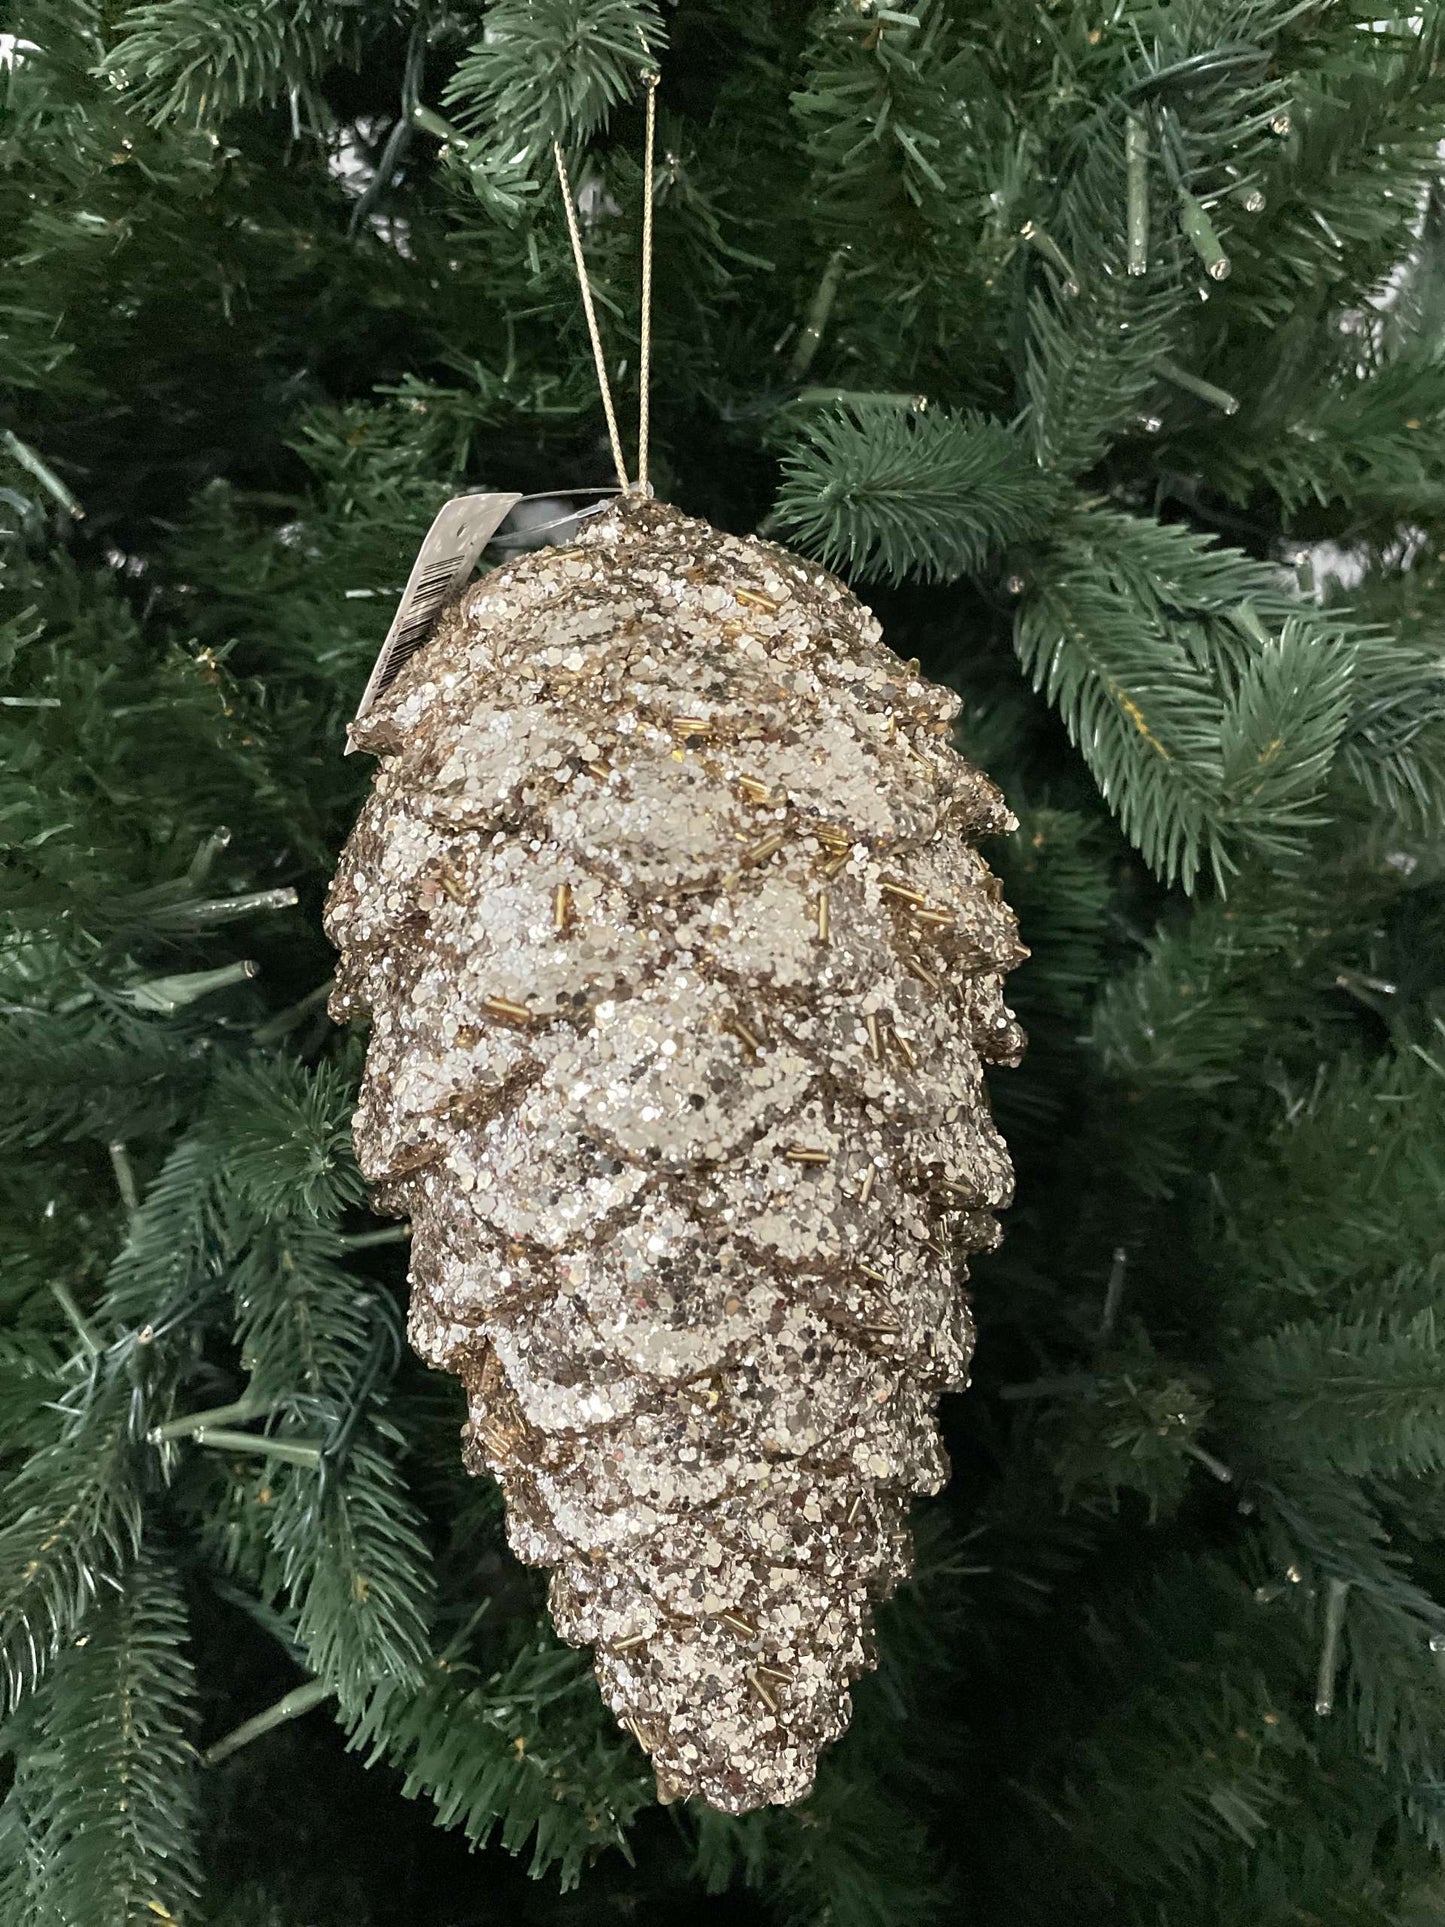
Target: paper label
446	558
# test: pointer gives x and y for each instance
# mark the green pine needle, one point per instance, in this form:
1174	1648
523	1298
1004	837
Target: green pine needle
530	1754
553	70
285	1135
73	1514
1210	750
182	60
888	493
351	1558
1364	1385
113	1783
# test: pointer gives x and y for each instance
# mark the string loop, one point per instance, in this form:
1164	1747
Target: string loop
589	308
579	261
644	373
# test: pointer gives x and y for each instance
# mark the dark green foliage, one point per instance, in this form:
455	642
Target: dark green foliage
180	60
889	493
108	1828
884	121
1175	535
530	1753
553	70
287	1139
1365	1385
74	1521
1209	734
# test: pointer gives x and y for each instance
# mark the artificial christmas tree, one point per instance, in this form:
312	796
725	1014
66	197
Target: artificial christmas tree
1099	351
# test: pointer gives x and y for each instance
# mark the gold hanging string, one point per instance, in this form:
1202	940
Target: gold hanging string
644	376
569	207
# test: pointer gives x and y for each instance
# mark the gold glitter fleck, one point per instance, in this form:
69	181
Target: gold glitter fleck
916	967
745	1034
506	1010
760	1685
904	1048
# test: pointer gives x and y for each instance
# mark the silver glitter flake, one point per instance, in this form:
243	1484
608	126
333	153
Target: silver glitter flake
682	971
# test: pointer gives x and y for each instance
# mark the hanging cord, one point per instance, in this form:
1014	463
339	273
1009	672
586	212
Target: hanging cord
574	232
585	285
644	376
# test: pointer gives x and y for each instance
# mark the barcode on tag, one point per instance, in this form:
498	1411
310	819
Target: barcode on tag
446	558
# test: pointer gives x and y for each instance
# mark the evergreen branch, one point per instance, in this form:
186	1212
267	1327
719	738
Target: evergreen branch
1057	877
529	1754
353	1563
1184	1015
173	1243
1131	1425
1395	1695
186	61
73	1521
553	70
1091	361
1368	441
1365	147
30	1362
888	495
21	1868
1361	1391
1207	749
291	1706
345	1542
1283	722
1145	714
852	1856
1394	744
287	1138
1359	1156
877	108
115	1821
304	1324
73	1511
1191	1759
1322	1527
1319	1524
97	1073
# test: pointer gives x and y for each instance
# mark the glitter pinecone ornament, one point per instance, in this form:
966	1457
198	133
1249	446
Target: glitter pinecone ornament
682	971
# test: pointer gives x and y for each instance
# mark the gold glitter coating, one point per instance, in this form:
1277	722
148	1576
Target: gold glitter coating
682	971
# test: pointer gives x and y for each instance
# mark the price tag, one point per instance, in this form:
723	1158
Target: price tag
446	558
